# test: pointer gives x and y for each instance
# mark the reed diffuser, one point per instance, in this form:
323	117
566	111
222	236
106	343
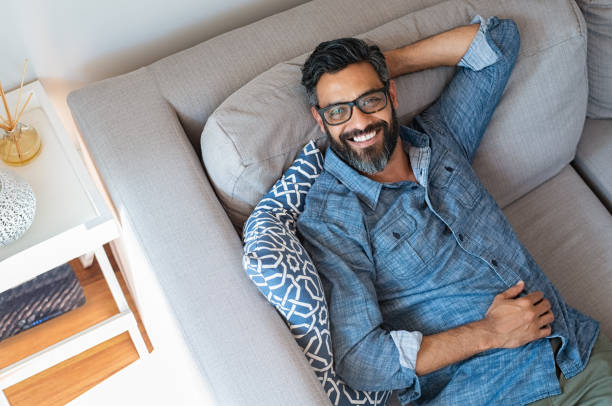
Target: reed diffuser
19	142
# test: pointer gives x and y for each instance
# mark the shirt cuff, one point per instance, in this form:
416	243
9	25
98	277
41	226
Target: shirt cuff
480	54
408	344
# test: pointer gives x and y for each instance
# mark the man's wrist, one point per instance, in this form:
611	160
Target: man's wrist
483	338
452	346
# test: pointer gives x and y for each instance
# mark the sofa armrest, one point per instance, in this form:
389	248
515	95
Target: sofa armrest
594	158
243	350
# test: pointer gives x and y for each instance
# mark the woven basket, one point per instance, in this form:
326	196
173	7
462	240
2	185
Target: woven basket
47	296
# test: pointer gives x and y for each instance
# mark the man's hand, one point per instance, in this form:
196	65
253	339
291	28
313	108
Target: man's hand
511	322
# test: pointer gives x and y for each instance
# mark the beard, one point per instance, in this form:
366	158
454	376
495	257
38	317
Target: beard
374	158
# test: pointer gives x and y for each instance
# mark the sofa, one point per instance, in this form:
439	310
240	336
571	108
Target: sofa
187	146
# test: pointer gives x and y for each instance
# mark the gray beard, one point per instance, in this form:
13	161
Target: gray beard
370	160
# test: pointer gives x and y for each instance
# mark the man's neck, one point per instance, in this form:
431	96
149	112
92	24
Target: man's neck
398	168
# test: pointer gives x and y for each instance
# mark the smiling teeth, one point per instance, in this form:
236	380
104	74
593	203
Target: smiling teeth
365	137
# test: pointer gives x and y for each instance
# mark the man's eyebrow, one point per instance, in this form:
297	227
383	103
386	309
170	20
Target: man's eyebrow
348	101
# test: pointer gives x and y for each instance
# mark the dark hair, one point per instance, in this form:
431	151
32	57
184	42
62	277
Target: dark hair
333	56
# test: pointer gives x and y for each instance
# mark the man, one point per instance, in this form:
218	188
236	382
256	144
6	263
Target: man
429	290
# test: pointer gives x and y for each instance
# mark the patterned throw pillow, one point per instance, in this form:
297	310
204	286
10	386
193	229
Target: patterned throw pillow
280	267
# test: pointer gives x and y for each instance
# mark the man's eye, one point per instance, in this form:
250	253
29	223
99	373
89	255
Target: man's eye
371	100
337	111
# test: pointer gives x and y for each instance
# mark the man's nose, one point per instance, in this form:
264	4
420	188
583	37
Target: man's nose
360	120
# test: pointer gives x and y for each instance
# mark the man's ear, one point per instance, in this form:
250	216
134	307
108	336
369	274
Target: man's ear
393	93
317	118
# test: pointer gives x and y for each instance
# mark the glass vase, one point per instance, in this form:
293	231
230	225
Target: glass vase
19	146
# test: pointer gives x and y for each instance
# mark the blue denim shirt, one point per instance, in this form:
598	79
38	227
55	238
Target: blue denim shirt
403	259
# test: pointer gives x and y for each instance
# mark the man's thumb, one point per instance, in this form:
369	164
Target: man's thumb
514	291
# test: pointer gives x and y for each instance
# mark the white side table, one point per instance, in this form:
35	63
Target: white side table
72	220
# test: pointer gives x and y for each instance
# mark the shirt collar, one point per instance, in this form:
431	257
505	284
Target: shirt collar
365	188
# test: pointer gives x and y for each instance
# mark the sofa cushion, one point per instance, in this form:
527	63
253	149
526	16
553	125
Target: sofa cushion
598	16
568	231
281	269
254	135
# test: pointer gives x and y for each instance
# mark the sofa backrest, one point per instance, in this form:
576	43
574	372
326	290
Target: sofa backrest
196	80
256	132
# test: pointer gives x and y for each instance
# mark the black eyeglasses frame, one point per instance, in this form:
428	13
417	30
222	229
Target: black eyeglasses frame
384	89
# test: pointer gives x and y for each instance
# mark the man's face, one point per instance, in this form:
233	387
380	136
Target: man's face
366	141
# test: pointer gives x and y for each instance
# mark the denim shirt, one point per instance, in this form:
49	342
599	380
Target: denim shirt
403	259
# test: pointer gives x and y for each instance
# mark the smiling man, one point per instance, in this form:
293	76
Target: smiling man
429	291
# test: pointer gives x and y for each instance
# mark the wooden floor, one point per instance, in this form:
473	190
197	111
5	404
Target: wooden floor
62	383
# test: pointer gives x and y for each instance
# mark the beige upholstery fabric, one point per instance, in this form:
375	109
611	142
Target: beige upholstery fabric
256	133
598	15
569	232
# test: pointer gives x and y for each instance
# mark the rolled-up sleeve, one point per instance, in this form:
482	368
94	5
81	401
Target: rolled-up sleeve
480	54
466	105
408	344
366	356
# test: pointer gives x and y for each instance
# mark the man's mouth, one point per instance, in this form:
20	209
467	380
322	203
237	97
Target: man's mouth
365	139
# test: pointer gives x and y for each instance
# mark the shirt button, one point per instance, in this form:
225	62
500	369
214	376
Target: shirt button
461	237
447	230
448	168
494	262
414	187
396	235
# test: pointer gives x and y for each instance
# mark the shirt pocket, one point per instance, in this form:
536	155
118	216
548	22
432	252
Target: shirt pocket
455	176
395	258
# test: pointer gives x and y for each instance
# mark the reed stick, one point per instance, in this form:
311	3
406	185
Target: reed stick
5	128
25	65
23	109
15	138
8	111
17	144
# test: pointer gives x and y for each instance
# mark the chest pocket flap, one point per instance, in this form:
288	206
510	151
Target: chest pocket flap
392	230
455	175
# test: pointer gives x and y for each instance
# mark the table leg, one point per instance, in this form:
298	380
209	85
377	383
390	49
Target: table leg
87	259
122	304
3	400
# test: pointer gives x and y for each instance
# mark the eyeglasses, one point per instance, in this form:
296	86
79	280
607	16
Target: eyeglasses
368	103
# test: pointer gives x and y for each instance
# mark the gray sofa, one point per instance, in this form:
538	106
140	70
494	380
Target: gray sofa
181	249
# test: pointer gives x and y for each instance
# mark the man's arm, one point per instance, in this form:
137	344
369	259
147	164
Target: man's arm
467	103
365	356
444	49
509	322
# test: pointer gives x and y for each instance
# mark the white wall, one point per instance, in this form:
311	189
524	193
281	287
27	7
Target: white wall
70	43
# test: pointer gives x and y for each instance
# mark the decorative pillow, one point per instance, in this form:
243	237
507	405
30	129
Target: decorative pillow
280	267
598	16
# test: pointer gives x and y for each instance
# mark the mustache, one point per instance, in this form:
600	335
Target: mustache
356	132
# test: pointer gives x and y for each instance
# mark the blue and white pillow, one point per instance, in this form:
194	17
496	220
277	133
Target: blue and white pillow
280	267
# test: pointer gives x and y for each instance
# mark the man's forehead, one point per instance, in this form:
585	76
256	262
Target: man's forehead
347	84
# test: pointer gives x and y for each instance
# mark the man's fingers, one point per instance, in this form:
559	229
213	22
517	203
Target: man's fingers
545	331
534	297
513	291
546	318
542	307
